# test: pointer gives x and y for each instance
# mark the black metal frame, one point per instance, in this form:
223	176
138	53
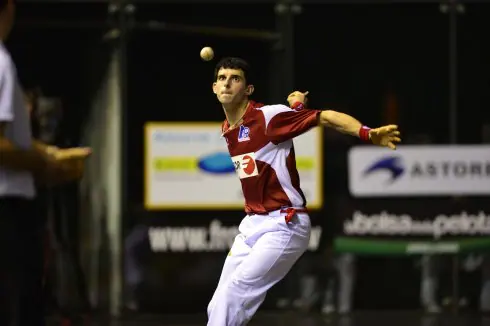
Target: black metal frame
259	1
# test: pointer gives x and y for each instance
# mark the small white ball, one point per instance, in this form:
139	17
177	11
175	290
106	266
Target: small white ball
207	53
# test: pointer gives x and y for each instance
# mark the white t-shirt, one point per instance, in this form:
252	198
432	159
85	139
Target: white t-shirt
18	129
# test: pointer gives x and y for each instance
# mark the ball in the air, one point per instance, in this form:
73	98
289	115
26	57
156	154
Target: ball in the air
207	53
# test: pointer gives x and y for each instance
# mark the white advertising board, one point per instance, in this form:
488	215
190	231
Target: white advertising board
419	171
187	166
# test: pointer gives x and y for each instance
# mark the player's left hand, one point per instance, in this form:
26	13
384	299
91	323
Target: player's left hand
386	136
296	97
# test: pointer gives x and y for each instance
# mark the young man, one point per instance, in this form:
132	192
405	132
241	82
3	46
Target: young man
276	230
21	227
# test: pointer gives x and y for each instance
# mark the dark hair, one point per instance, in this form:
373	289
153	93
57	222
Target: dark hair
3	4
234	63
32	95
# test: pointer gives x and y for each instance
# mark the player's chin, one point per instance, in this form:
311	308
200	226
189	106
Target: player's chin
225	99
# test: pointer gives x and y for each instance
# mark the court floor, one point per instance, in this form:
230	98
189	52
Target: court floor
298	319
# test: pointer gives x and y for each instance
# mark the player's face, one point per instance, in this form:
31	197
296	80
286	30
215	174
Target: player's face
28	103
8	17
230	86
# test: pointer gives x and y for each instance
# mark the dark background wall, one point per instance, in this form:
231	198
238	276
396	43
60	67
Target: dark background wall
382	63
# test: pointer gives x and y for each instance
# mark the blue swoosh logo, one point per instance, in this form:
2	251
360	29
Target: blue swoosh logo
217	163
391	164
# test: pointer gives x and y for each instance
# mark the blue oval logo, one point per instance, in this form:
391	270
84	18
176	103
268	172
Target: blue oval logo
218	163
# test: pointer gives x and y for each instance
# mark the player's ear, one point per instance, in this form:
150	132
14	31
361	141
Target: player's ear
214	88
250	89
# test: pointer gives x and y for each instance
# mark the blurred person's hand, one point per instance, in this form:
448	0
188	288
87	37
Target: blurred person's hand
69	154
63	165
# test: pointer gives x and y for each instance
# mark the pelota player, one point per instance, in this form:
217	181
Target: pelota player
276	230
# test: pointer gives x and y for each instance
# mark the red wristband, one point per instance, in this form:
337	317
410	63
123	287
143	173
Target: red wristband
364	133
298	106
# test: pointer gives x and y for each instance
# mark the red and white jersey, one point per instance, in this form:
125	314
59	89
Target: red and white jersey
263	154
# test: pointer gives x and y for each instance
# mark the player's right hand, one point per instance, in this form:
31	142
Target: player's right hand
296	97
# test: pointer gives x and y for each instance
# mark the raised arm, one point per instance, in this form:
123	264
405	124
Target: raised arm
386	136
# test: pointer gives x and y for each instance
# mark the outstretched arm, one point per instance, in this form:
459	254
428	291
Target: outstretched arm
12	157
386	136
341	122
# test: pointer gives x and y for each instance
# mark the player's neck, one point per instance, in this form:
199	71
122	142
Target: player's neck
4	26
3	33
234	113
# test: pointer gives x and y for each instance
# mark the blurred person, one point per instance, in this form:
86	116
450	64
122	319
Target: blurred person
472	262
276	230
289	288
432	267
339	289
29	100
136	244
485	291
429	283
297	285
339	292
64	278
485	288
21	160
332	279
31	96
429	263
317	278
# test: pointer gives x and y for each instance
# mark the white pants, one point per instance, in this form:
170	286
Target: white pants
262	254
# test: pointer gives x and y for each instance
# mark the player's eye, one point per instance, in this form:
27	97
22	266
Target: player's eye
221	77
236	78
